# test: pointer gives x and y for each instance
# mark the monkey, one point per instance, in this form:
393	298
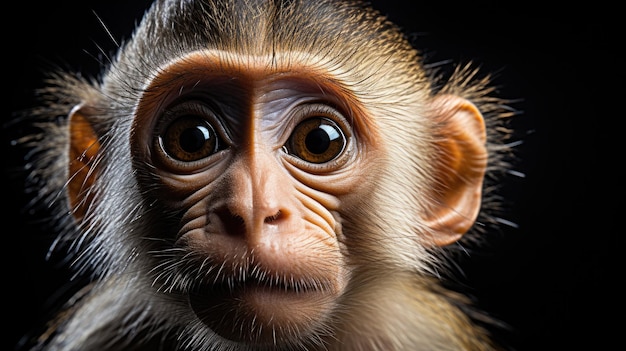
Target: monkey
267	175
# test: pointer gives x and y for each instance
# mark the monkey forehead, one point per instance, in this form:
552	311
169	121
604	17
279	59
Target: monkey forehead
196	66
259	77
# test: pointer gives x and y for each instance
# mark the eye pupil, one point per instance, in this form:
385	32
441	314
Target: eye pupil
318	140
194	139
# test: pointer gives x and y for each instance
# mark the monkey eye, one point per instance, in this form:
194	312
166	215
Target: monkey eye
316	140
189	138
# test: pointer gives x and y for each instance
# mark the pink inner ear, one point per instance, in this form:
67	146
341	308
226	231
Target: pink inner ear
460	171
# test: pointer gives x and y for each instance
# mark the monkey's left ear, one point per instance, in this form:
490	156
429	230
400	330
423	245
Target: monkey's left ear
83	148
460	168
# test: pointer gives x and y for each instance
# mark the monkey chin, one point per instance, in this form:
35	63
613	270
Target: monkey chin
264	313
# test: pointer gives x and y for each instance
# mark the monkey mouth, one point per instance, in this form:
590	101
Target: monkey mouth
264	289
273	307
287	283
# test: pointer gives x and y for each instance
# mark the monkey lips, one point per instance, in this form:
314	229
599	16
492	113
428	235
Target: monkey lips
257	296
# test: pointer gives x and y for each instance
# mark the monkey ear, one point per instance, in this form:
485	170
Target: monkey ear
83	148
460	168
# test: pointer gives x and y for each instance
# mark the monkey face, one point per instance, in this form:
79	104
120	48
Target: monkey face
256	163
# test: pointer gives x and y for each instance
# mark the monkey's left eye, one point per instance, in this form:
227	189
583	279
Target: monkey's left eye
317	140
189	138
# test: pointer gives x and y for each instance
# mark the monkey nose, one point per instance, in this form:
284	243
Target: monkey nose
250	223
235	224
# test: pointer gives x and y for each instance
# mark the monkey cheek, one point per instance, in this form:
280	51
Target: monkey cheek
262	315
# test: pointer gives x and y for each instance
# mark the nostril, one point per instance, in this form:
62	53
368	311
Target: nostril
278	215
233	224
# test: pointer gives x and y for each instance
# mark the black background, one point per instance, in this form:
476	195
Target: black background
555	279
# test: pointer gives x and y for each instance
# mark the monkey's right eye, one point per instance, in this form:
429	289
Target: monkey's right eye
190	138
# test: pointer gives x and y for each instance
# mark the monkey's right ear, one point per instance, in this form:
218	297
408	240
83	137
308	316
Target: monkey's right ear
83	148
461	161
